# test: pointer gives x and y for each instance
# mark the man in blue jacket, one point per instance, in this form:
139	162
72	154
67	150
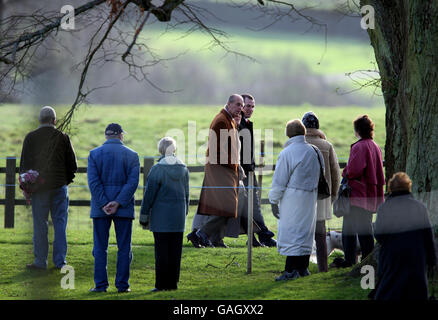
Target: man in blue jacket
113	174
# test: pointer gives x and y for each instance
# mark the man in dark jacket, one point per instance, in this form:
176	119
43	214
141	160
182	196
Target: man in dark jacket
407	246
247	160
113	174
49	152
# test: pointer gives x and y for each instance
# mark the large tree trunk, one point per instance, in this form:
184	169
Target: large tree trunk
405	42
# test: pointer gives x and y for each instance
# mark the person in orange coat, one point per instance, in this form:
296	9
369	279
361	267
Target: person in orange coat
219	195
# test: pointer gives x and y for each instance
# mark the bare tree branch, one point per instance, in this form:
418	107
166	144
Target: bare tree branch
80	97
29	39
137	32
22	37
363	79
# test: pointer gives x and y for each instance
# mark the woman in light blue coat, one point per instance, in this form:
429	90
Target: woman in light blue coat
163	210
294	189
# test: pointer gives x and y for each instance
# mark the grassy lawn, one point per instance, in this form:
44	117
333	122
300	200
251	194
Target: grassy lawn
205	274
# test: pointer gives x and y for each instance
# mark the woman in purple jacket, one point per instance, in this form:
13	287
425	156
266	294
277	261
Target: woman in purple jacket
364	173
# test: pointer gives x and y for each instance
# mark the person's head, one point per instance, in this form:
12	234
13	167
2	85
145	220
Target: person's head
47	115
234	104
400	181
363	127
295	128
310	120
114	131
248	105
237	119
167	146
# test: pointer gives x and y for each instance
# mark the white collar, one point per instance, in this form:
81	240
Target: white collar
225	108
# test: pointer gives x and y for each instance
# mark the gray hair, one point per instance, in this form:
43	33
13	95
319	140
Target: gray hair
47	115
233	97
167	146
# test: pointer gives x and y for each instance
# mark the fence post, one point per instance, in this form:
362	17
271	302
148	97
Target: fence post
148	162
11	163
250	219
261	162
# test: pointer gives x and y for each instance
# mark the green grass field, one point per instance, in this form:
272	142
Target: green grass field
321	57
207	273
281	61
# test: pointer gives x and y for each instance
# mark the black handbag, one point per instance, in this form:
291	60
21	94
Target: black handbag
323	187
341	206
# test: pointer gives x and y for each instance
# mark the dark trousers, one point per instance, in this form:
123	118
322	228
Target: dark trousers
264	233
101	227
168	250
54	201
321	246
298	263
214	227
357	223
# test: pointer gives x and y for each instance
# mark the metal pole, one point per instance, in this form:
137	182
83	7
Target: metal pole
250	219
11	163
262	164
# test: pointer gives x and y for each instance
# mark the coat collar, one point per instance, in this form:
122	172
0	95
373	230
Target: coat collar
296	139
315	133
399	193
169	159
113	141
227	112
360	140
228	116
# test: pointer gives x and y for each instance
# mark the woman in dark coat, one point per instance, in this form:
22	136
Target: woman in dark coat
407	246
164	209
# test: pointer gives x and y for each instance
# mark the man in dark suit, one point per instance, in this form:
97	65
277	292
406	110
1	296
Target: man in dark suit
247	161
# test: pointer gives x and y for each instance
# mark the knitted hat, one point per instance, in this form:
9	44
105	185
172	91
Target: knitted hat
310	120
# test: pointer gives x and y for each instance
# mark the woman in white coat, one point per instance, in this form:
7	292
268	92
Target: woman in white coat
295	190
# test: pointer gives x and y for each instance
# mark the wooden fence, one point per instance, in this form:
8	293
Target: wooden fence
11	170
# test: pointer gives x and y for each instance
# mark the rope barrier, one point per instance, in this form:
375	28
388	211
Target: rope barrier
142	187
186	155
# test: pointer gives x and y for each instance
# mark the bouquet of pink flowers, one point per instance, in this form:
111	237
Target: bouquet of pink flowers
29	182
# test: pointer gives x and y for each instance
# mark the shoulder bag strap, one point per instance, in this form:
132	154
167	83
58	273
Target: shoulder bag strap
319	160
